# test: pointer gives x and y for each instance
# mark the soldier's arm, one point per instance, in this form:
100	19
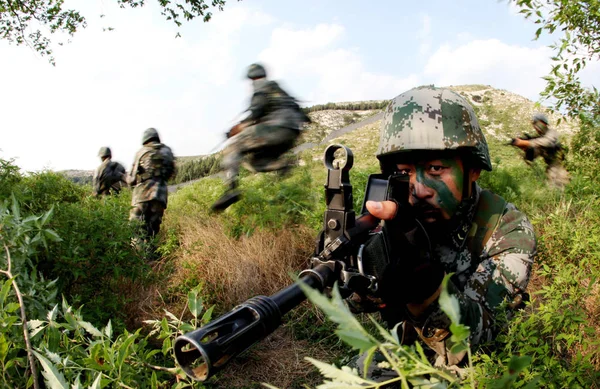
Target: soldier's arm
502	275
96	183
131	177
258	105
549	139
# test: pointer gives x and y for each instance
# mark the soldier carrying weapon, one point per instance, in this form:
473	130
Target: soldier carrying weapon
547	146
263	137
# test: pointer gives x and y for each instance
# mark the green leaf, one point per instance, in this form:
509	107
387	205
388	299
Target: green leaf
77	383
124	349
97	382
54	357
30	219
3	348
341	376
385	334
153	381
448	303
16	209
54	379
5	290
47	215
167	346
11	307
108	330
369	359
195	303
52	314
517	364
89	327
349	328
53	236
164	325
207	315
460	333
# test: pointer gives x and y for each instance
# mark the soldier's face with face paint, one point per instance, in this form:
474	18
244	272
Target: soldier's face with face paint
435	187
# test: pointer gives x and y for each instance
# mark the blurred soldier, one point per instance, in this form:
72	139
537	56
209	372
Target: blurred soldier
264	136
153	166
109	175
432	137
547	146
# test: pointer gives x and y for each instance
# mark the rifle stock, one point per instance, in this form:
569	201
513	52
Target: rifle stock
203	352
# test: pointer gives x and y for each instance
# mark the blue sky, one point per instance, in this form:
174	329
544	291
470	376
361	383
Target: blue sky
108	87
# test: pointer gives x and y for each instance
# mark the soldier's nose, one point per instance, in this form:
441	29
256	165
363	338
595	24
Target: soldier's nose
421	191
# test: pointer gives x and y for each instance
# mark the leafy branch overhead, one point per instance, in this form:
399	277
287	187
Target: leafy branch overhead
578	26
32	22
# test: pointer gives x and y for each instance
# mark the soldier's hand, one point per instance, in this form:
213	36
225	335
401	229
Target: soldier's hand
520	143
362	304
384	210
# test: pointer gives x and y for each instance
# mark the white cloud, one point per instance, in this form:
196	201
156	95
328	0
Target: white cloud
424	35
337	73
108	87
491	62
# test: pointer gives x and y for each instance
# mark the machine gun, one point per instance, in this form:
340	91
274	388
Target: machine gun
203	352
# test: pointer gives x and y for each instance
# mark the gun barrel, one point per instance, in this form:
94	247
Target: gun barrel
203	352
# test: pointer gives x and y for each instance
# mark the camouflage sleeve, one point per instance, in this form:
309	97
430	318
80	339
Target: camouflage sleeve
502	274
131	177
258	105
549	139
96	181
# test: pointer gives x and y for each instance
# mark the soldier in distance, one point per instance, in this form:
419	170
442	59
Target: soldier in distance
154	164
109	176
547	146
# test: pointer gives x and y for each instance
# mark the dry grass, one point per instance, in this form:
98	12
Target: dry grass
235	270
277	360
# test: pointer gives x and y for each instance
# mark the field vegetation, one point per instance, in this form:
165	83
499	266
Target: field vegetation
98	314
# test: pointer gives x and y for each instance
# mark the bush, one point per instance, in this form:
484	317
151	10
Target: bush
194	169
96	263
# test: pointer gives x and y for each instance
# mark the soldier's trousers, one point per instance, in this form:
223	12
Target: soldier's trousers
262	145
151	214
557	175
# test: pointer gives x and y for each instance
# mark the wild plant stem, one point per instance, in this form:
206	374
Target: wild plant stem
32	364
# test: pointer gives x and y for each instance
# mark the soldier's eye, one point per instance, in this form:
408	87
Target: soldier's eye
436	168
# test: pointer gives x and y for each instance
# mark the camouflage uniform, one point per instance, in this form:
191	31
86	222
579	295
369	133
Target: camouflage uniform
488	244
109	175
547	146
275	122
153	166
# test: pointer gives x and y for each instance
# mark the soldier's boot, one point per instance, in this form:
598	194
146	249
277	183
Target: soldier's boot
230	197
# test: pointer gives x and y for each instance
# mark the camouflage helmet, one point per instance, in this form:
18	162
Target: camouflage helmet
430	118
256	71
150	134
540	117
104	152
